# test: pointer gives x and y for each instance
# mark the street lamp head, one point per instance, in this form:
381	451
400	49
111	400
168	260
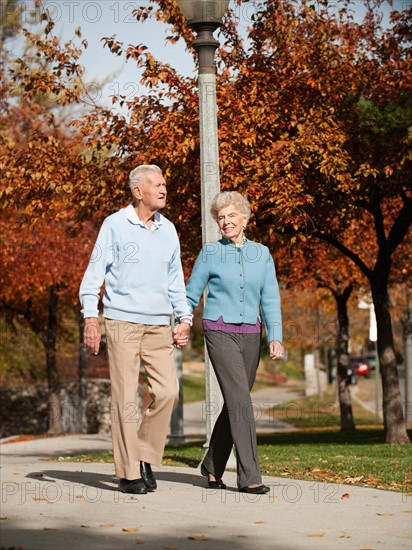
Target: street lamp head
203	11
204	17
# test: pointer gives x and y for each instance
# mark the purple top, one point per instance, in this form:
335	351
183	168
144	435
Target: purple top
240	328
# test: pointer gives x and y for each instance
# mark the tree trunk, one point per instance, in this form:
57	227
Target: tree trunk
347	422
82	379
393	418
55	412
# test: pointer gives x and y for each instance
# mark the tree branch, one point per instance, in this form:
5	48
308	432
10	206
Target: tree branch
345	251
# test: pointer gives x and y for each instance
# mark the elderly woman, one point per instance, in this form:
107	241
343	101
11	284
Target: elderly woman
241	280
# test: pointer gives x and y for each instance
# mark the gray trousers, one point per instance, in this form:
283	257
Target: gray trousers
235	358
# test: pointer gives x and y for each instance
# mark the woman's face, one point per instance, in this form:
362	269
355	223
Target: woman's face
231	222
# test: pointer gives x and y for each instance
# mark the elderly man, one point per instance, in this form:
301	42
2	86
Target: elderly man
137	257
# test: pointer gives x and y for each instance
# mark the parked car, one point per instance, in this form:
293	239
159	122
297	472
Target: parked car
360	365
372	358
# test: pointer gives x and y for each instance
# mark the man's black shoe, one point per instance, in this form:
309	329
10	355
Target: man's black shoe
132	486
147	476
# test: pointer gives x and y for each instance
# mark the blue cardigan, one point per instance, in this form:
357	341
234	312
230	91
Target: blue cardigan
240	281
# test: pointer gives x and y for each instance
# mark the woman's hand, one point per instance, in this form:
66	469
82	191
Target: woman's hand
275	349
181	335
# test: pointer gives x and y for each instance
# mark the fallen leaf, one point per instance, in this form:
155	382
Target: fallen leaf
49	529
272	498
372	479
130	529
352	479
3	517
198	537
383	514
139	541
345	536
345	495
107	525
315	535
85	526
260	521
405	512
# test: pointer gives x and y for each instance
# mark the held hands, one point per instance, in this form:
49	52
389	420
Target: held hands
275	349
181	335
92	334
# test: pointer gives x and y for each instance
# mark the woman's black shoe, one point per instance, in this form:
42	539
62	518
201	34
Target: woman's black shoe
259	490
147	476
217	484
132	486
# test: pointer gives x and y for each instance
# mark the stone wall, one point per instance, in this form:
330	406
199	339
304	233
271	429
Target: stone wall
24	410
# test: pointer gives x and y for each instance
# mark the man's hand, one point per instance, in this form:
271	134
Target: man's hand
275	349
181	335
92	334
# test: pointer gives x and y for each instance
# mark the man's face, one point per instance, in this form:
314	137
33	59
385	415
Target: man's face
152	192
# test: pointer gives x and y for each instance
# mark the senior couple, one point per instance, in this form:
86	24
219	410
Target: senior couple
137	257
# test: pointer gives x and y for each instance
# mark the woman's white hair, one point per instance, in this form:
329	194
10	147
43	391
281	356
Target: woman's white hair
138	173
230	198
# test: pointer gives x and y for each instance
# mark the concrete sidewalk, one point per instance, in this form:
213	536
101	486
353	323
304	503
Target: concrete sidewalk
194	414
56	505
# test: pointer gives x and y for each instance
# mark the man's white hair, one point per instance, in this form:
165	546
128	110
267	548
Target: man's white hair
138	173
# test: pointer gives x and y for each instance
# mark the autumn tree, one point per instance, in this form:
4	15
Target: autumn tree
341	147
42	260
313	126
310	265
11	11
313	116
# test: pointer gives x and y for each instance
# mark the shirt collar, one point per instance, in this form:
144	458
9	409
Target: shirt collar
132	216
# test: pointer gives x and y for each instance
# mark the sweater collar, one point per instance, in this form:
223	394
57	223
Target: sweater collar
226	241
132	216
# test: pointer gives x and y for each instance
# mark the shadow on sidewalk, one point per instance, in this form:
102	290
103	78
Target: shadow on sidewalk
109	482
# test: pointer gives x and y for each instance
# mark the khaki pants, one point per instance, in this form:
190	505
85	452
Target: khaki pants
129	345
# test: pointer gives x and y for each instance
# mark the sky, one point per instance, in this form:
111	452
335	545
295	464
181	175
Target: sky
102	18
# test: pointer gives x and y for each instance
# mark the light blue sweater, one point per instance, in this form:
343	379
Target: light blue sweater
240	281
141	269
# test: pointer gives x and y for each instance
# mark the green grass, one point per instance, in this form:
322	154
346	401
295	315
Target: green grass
318	451
315	412
359	458
193	388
